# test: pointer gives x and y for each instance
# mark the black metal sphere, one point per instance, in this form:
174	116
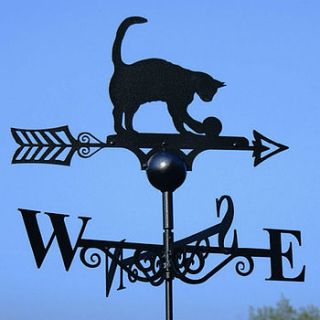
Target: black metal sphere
212	126
166	171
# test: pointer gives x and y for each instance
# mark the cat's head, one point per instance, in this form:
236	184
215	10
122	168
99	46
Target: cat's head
206	86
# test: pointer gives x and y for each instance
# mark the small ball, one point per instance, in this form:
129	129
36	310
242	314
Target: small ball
166	171
212	126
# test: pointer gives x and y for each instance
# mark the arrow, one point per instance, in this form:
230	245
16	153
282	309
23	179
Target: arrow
53	145
57	145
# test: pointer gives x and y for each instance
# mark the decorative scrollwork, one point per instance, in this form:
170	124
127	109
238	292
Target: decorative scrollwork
146	266
89	145
245	267
191	262
133	275
91	259
88	138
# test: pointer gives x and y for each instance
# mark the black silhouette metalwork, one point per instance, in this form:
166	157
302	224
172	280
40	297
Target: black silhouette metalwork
130	87
57	145
156	80
147	262
166	158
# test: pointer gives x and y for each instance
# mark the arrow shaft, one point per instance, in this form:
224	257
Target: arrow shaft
172	141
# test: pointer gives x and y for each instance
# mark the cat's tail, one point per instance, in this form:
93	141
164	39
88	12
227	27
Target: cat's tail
116	50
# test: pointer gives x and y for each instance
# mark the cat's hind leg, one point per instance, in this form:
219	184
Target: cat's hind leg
117	117
129	114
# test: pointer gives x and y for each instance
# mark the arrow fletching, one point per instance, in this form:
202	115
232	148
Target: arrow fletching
48	146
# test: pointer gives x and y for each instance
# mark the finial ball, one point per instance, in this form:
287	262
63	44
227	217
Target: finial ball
166	171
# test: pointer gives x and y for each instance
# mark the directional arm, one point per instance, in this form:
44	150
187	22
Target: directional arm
57	145
189	256
193	259
146	263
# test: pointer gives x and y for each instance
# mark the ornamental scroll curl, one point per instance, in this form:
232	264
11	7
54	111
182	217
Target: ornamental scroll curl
89	145
190	261
245	266
149	264
92	257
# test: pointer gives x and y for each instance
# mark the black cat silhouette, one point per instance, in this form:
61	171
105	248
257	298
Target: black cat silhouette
155	80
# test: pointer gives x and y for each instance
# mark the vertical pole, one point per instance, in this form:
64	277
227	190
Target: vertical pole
166	171
167	243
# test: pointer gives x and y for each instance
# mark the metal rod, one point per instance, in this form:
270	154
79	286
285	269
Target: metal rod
167	243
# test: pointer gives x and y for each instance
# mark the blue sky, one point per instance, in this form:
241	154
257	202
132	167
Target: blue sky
55	69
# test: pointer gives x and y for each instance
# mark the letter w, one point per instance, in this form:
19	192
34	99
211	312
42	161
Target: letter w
60	232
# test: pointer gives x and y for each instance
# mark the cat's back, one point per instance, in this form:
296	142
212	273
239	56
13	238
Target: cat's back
150	80
157	69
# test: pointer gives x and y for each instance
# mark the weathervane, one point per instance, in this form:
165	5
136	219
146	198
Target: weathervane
166	162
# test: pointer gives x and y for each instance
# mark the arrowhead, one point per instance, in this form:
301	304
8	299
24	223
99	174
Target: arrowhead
264	148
